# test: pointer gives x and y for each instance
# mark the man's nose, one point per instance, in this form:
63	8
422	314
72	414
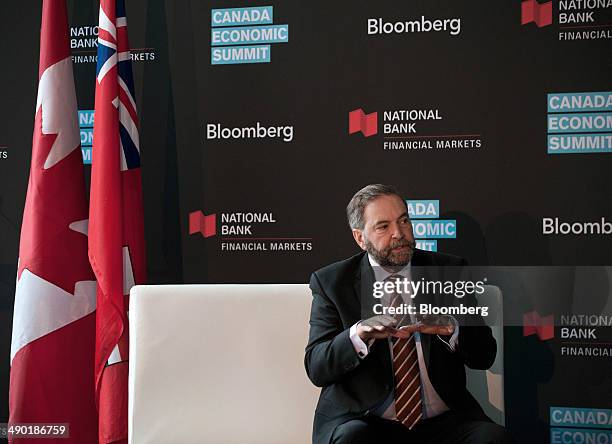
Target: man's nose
397	232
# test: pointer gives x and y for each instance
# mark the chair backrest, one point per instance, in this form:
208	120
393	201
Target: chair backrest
219	364
487	386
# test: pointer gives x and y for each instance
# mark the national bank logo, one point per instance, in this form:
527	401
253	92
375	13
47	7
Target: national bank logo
427	225
538	13
201	223
584	20
575	19
579	123
86	123
84	46
231	224
244	35
251	231
541	326
403	130
366	124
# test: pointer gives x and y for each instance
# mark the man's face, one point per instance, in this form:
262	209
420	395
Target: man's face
387	233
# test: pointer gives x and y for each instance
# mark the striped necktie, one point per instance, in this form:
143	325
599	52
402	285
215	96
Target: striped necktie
408	405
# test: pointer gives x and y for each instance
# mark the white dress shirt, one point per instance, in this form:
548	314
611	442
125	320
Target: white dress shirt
433	405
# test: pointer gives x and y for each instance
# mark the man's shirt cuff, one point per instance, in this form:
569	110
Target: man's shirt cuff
454	339
360	347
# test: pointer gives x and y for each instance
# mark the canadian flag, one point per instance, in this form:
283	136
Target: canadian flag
52	348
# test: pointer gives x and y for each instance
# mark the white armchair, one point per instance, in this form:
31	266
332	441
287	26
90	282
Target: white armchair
224	364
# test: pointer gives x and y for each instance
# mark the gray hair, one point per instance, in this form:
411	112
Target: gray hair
358	203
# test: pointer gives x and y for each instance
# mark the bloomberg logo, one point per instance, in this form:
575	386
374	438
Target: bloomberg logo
244	35
216	131
427	225
554	226
450	25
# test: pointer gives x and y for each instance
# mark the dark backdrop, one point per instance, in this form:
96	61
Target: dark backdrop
489	84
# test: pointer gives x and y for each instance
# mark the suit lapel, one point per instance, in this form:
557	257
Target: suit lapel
363	287
419	271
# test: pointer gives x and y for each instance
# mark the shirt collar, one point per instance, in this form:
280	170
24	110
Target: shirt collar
381	274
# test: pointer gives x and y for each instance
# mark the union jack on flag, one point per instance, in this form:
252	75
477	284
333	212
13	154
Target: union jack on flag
116	232
114	49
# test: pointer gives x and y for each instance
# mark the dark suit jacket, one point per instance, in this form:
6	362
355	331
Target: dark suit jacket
351	386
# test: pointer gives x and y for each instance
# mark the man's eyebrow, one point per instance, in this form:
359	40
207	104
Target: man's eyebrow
384	221
379	222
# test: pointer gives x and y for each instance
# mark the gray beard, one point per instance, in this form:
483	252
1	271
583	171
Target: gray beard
384	258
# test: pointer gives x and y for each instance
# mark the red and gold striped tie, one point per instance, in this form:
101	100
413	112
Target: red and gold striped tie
408	405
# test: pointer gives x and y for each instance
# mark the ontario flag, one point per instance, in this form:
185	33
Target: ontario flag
116	234
52	347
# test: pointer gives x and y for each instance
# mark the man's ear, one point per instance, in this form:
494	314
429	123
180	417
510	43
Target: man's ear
358	236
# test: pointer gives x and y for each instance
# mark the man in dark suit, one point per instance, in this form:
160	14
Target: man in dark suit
388	376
